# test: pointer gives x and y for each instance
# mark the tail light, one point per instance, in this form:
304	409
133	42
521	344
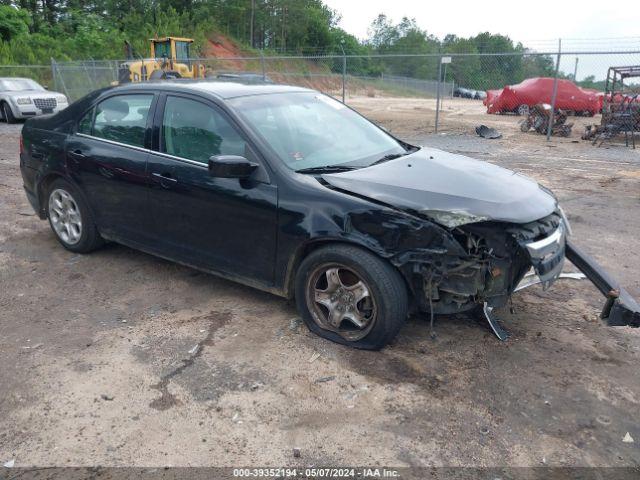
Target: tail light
21	145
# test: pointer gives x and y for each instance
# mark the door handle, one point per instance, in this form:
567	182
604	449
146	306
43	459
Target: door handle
165	179
77	154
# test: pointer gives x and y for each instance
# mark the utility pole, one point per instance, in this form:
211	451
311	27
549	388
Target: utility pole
575	71
554	94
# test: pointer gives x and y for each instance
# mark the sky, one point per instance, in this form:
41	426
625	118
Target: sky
583	24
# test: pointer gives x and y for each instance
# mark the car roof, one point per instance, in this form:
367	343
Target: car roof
221	89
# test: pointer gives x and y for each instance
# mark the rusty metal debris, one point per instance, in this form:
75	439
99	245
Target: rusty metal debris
619	118
538	120
620	108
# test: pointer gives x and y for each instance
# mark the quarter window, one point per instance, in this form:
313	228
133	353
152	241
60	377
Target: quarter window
123	119
195	131
84	126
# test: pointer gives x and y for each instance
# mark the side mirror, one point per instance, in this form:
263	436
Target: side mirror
231	166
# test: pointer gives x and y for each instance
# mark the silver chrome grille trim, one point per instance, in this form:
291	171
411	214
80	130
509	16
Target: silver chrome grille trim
44	103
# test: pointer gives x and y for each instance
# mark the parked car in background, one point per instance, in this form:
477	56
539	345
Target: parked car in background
290	191
24	98
464	92
521	97
468	93
244	77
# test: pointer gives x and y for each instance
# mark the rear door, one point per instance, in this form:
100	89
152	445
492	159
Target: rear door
107	157
223	224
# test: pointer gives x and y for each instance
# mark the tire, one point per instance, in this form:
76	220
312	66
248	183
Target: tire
70	219
381	307
7	113
523	110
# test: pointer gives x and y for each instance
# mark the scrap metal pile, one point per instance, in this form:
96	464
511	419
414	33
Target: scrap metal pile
620	110
539	117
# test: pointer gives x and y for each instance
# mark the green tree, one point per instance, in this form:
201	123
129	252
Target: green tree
13	22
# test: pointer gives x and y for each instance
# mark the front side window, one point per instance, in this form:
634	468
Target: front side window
196	131
309	130
182	51
123	119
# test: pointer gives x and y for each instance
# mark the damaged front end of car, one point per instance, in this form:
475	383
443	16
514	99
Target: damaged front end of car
477	266
467	234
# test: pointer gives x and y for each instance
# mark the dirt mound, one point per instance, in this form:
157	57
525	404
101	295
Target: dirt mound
220	46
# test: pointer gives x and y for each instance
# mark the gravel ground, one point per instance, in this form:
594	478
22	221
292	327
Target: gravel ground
120	358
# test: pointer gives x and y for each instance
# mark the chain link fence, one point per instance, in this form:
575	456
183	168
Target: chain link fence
455	90
39	73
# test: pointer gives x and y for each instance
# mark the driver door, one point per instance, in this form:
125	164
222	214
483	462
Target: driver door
222	224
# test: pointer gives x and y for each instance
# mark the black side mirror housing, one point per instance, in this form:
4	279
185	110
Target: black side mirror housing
231	166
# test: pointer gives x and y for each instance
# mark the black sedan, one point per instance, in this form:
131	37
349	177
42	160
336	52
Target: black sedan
290	191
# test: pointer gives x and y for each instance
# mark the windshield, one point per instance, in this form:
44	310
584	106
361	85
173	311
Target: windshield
18	84
310	130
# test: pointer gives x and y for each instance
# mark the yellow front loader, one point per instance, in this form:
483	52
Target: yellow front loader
170	58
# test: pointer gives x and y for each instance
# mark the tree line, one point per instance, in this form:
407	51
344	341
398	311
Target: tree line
33	31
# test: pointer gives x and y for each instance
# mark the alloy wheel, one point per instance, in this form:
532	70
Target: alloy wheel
65	216
341	301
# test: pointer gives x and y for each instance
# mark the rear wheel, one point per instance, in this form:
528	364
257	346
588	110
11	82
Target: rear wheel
351	296
71	219
7	113
523	110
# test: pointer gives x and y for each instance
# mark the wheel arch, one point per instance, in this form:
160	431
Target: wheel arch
311	245
43	187
3	102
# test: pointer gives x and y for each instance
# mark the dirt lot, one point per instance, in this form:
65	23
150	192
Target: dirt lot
120	358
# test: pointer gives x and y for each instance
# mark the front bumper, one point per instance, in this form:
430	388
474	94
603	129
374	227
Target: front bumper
29	111
547	257
620	308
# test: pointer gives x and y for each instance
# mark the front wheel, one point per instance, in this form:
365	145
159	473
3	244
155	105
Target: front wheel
350	296
7	113
523	110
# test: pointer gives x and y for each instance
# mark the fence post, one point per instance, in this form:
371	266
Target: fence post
53	75
264	70
344	75
555	92
55	69
438	92
86	72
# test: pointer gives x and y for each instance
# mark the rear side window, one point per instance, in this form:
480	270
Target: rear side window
196	131
122	119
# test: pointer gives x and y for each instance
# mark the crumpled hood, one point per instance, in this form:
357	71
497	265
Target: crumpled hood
451	189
